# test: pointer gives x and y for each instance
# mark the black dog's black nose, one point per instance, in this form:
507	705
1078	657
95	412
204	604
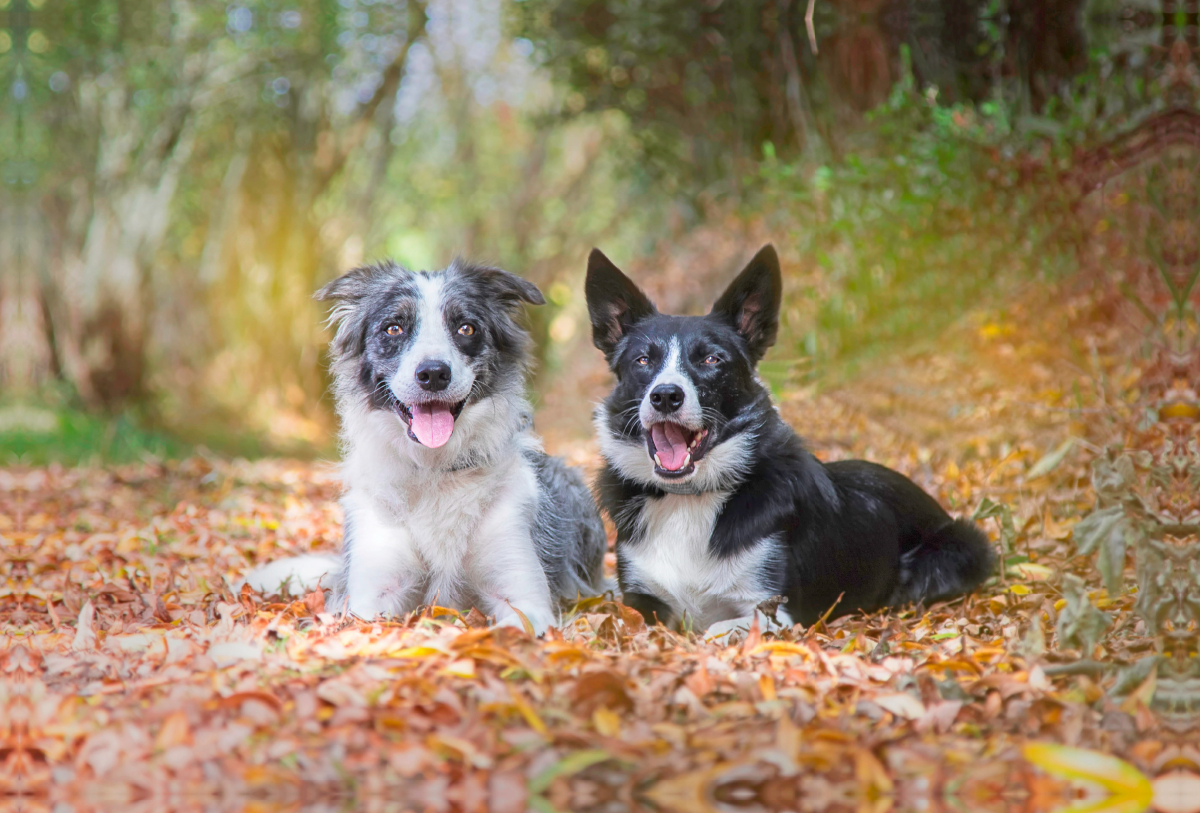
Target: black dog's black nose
667	397
433	375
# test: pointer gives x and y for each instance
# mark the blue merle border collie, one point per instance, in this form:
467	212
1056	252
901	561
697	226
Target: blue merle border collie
449	497
718	505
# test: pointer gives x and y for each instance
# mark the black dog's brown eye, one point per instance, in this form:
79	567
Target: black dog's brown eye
466	330
394	330
711	360
643	360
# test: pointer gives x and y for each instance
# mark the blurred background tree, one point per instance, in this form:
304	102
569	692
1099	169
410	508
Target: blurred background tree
179	177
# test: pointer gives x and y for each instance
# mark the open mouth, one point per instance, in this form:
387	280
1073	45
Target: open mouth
430	424
675	449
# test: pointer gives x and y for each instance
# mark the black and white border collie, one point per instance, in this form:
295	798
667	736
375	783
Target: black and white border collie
718	505
449	497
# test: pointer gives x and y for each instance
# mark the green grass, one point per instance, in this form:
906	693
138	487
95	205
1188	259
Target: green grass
35	436
34	433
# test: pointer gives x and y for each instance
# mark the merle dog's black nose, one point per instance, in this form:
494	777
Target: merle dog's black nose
433	375
667	397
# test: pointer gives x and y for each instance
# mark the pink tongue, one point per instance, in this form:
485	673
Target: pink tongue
670	445
432	424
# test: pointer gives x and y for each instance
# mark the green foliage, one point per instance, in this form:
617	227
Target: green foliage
199	170
1105	532
71	437
931	218
1000	512
1080	623
57	430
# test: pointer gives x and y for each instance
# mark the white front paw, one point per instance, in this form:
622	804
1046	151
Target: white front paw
365	610
729	631
734	630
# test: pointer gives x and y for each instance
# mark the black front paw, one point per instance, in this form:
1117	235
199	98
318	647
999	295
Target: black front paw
653	609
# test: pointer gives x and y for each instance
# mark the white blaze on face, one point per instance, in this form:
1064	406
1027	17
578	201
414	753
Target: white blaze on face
671	432
432	412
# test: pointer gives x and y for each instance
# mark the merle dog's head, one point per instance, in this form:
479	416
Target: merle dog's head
425	346
687	398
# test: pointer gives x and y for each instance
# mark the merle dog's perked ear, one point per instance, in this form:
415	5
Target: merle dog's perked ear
346	292
614	301
751	302
355	283
509	289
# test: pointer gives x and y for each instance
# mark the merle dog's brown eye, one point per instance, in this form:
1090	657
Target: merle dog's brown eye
394	330
710	359
643	360
466	330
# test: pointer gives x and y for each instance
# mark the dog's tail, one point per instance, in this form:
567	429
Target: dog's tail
296	575
951	561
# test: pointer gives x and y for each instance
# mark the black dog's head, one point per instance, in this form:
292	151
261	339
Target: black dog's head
687	397
425	346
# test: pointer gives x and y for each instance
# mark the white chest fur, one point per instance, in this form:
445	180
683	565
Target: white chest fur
670	555
458	539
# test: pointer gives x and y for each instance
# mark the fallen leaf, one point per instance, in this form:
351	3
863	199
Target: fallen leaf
901	704
1117	776
85	635
228	653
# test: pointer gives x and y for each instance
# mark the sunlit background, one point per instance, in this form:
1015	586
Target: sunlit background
179	177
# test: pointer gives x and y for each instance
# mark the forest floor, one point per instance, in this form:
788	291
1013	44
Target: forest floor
134	677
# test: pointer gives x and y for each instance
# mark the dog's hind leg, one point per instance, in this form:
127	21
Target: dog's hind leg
948	562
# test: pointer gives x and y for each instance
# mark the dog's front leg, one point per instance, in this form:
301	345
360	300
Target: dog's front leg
517	582
507	566
380	560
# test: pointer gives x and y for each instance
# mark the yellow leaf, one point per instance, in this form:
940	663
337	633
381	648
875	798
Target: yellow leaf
1051	461
780	648
1179	409
415	652
766	685
463	667
1117	776
606	722
1020	590
524	620
1035	572
526	711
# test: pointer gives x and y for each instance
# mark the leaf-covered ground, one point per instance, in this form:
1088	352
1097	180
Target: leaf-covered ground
134	677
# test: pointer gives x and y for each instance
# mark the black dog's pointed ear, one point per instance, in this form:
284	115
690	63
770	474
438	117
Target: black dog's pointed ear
509	288
751	302
614	303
